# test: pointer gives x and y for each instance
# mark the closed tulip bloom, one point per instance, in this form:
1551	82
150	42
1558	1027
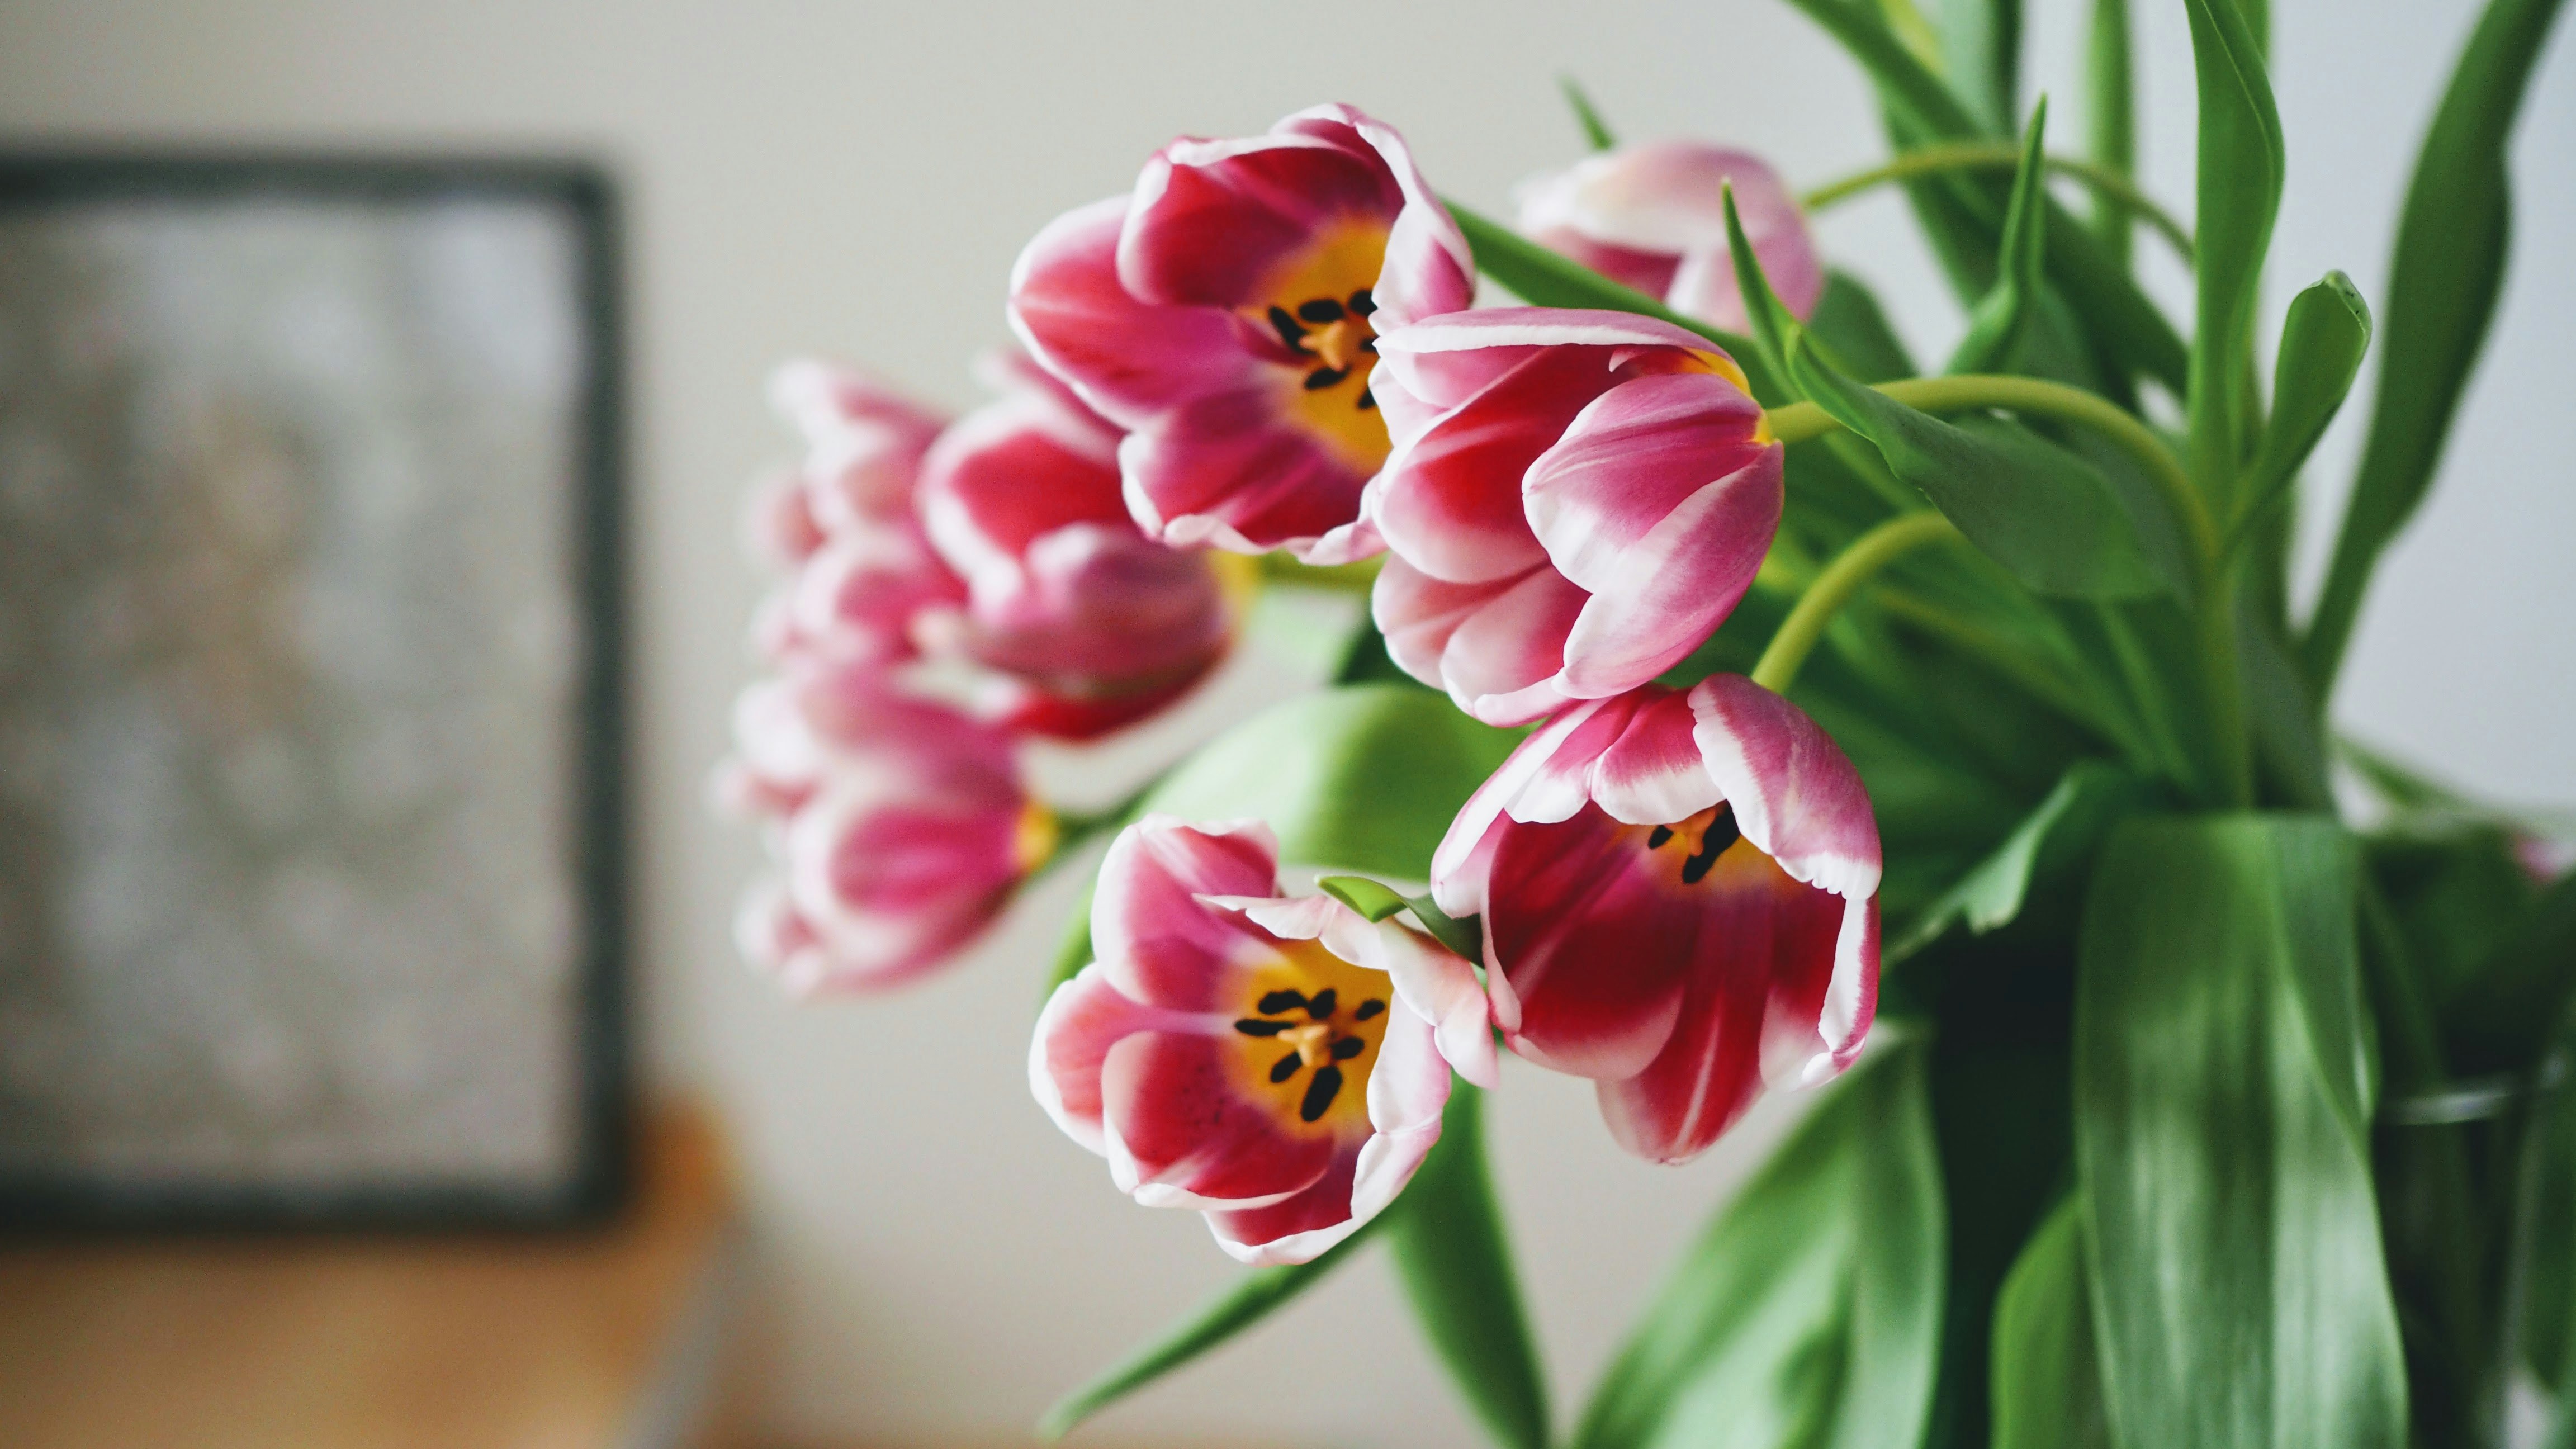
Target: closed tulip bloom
1576	500
863	441
1654	217
902	826
1226	315
1275	1063
1092	624
1679	894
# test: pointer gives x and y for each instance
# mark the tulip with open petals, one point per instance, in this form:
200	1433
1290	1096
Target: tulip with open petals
1679	894
902	824
1279	1064
1090	624
1576	500
1654	217
1226	314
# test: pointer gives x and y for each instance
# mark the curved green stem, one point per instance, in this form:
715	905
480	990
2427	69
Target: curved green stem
2110	185
1800	421
1834	588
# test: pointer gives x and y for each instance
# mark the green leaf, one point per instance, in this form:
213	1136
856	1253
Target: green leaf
1377	900
1996	325
2517	997
2065	825
1365	776
1253	1297
2044	513
2240	195
2442	289
2223	1093
1981	50
2047	1378
2112	138
2549	1317
1809	1312
1595	130
1450	1250
1772	324
1849	320
2322	342
1544	278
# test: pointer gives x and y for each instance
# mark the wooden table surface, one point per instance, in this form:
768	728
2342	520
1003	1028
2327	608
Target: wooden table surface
515	1342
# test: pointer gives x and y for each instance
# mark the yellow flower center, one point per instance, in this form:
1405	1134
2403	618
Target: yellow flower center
1317	303
1691	850
1033	840
1306	1034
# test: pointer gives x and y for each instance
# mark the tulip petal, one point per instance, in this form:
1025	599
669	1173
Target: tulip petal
1212	219
1128	359
1796	794
1449	499
1224	471
1594	950
1652	774
1428	268
1296	1229
1761	954
1153	938
1179	1134
1084	1018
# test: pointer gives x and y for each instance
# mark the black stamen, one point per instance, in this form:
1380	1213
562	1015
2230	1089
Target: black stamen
1291	336
1320	310
1286	1067
1362	303
1320	1093
1721	833
1255	1026
1324	377
1660	837
1347	1048
1321	1008
1368	1008
1368	344
1368	399
1279	1001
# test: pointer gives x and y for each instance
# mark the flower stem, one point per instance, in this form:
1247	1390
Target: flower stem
1834	588
2106	183
1800	421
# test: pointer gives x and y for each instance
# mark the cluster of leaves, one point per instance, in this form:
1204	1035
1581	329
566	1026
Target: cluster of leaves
2206	1119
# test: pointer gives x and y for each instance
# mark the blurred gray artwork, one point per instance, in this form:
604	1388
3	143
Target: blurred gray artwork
290	665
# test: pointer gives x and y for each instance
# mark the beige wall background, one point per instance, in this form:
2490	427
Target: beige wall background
855	179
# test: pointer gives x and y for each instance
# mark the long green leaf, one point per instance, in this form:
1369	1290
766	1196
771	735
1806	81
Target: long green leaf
2224	1085
2047	1375
2039	509
1996	325
2241	167
2442	291
1595	130
2069	821
1451	1251
1981	51
1254	1296
1809	1313
2322	343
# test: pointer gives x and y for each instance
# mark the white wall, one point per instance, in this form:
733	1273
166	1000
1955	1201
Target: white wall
855	179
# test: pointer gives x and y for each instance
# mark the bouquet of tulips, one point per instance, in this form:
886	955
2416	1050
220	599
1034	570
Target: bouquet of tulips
1740	706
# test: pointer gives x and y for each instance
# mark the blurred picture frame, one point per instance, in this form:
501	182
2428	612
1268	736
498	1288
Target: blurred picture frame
312	834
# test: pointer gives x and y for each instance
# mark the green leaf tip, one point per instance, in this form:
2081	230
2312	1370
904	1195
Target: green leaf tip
1595	130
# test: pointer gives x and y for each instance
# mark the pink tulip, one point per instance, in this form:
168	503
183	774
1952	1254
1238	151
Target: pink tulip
842	524
902	825
863	441
1654	217
1277	1064
1679	894
1094	624
1575	501
1225	315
